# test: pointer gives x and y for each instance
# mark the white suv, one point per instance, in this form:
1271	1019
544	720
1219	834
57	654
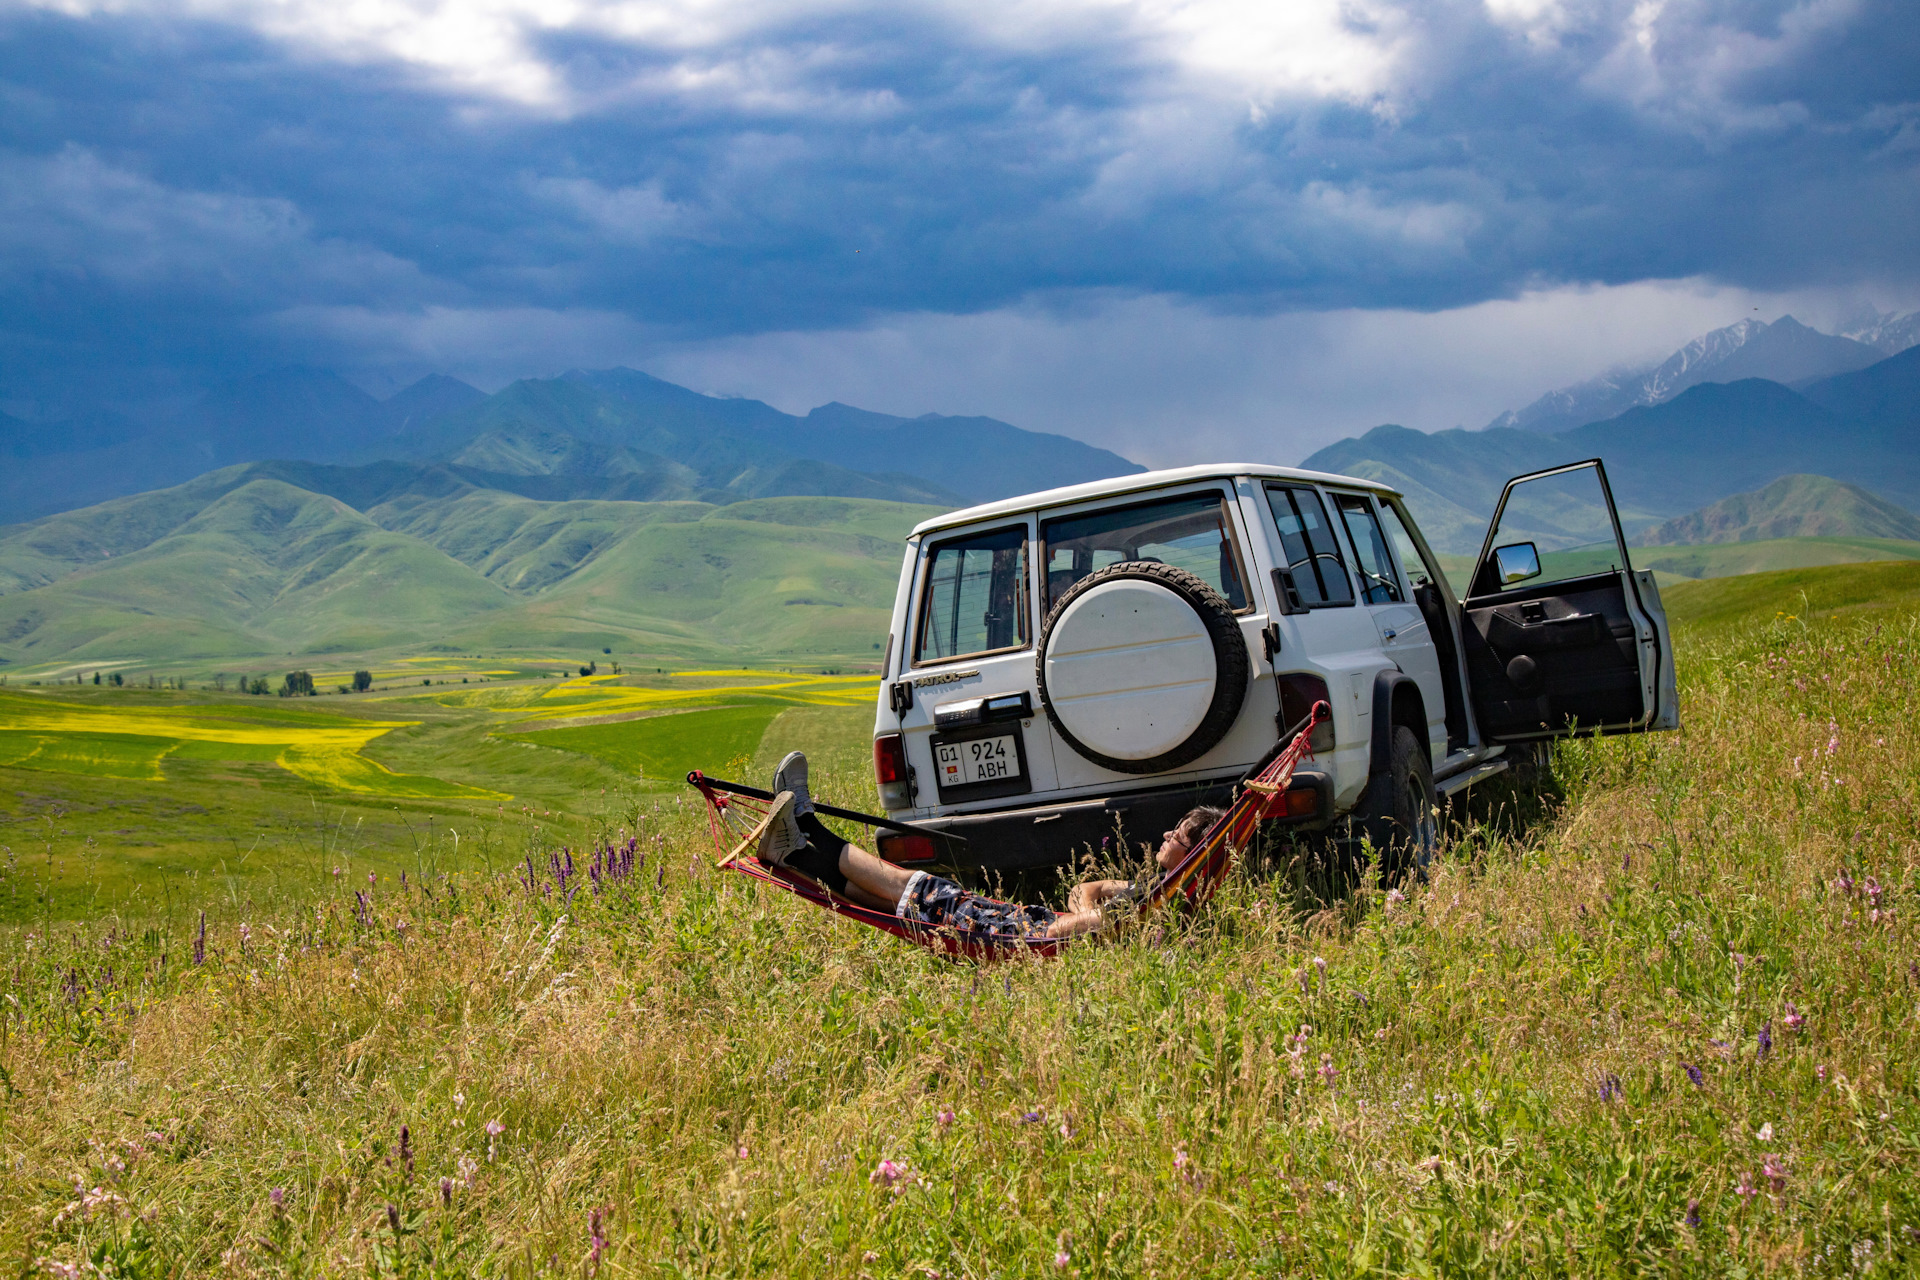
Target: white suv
1083	665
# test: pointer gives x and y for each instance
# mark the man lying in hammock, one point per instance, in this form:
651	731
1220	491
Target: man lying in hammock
797	840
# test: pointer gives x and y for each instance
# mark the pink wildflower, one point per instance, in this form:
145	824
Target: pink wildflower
946	1118
888	1174
1775	1172
494	1130
1745	1188
1794	1019
1061	1260
278	1199
1328	1072
1321	965
1179	1158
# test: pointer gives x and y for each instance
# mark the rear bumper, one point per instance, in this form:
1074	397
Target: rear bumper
1057	835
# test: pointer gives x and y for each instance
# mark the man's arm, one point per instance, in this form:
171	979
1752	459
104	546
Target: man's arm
1090	895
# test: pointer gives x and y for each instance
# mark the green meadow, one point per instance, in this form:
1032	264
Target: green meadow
1652	1016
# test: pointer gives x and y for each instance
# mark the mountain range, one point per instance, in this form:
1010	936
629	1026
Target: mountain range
1785	351
603	434
1707	443
1799	506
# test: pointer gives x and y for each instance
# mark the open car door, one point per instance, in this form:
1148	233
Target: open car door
1562	636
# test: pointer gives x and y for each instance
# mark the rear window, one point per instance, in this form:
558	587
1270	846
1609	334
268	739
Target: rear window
975	597
1189	532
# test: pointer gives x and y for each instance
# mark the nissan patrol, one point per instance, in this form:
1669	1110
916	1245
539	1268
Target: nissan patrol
1088	663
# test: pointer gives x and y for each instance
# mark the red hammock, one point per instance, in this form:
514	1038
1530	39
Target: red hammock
738	815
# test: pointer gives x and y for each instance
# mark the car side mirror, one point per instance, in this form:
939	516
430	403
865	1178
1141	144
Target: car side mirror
1516	562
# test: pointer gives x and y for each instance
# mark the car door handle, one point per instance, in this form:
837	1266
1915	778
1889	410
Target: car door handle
1389	633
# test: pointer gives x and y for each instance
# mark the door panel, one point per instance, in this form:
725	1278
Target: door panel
1405	636
1558	638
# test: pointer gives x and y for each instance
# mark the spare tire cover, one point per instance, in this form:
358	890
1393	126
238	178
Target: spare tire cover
1137	667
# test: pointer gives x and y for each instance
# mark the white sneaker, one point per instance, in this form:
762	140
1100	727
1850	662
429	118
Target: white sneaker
792	776
783	837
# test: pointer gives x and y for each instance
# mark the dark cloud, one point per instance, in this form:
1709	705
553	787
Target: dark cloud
181	195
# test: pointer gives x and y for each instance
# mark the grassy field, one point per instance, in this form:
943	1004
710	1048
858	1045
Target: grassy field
1656	1018
115	799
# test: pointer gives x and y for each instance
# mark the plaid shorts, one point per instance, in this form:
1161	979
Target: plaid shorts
942	904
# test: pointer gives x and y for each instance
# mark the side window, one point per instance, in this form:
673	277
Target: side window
1188	532
975	597
1313	553
1377	582
1413	569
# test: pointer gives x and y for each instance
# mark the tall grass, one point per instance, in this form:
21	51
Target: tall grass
1657	1019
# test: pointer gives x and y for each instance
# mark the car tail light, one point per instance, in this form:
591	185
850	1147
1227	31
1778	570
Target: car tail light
1303	802
906	848
890	771
1298	692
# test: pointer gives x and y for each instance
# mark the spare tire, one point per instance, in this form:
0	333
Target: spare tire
1141	667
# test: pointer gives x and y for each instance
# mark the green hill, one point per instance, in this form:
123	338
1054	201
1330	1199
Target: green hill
1799	594
240	564
1798	506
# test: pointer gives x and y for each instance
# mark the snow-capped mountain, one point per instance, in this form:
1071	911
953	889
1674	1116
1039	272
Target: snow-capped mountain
1886	332
1785	351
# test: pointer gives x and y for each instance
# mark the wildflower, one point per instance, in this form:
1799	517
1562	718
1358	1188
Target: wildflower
393	1221
246	935
1609	1088
406	1149
1179	1159
1328	1072
596	1242
1693	1213
371	877
1833	737
1321	965
200	941
1032	1117
1693	1074
60	1270
1766	1132
1066	1125
1794	1019
1060	1260
1820	1073
1395	897
278	1199
336	873
446	1193
1874	889
1765	1039
740	1152
494	1130
1745	1188
888	1174
1306	983
1775	1172
946	1118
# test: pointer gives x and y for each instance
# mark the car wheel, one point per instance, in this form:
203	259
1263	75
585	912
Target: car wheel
1141	667
1399	816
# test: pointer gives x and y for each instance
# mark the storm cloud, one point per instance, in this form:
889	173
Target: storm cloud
195	189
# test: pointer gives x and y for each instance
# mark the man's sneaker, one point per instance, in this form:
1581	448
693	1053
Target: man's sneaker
792	776
783	837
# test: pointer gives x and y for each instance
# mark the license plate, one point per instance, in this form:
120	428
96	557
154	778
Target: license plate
977	760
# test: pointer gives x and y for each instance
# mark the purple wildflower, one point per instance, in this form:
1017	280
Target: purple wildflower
1794	1019
1693	1074
278	1199
888	1174
406	1149
1693	1213
1609	1088
1775	1172
946	1118
446	1193
1765	1039
1328	1072
596	1242
200	941
393	1221
1032	1117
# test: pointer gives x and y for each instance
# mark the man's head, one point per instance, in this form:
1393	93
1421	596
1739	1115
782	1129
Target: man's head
1185	833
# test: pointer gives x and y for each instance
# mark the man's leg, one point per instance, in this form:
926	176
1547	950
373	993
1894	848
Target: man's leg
847	869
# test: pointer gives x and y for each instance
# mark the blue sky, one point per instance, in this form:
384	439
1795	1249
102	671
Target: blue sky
1177	228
